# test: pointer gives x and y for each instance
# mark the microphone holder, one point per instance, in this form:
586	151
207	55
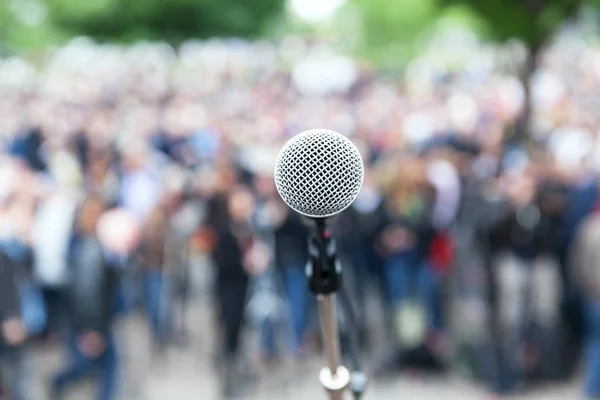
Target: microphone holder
324	273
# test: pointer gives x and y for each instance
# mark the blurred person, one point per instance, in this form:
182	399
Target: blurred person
140	183
550	325
221	179
524	241
214	184
185	211
52	231
291	256
471	283
443	176
96	136
356	230
101	176
583	195
91	297
153	261
369	209
186	136
22	311
411	283
14	331
27	145
18	242
236	257
81	147
584	261
406	238
266	285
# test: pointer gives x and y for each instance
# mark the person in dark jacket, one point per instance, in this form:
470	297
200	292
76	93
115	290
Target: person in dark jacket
27	146
356	230
10	306
231	255
585	255
291	256
581	200
91	298
14	332
524	260
532	224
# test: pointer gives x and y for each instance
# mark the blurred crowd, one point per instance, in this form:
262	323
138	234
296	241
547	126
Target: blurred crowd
118	162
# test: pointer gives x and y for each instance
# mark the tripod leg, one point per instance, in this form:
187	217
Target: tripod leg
358	379
350	314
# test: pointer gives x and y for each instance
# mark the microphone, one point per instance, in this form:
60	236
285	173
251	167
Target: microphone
319	173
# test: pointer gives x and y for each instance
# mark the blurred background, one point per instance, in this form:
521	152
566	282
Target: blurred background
146	254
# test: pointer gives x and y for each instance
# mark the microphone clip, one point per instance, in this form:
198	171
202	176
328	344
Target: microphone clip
324	271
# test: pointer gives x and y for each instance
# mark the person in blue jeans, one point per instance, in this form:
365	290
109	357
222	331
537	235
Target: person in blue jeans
592	374
411	286
406	278
405	240
298	298
88	352
92	296
584	260
291	256
155	289
154	276
266	307
13	345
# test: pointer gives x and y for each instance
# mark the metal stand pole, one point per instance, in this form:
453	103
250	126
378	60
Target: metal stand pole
335	377
325	278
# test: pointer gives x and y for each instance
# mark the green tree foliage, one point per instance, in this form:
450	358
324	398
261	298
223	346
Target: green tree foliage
395	30
173	20
391	28
533	22
129	20
17	32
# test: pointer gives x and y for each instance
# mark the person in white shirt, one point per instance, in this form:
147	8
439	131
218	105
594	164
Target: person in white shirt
52	231
140	183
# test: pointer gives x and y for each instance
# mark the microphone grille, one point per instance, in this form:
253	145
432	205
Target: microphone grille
319	173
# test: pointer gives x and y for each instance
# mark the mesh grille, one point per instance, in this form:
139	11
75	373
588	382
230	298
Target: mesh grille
319	173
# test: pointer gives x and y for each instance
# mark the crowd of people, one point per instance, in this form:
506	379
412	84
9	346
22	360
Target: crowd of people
119	161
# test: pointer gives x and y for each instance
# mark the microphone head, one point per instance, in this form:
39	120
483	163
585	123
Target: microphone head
319	173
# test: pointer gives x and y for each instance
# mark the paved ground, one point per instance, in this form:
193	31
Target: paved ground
186	373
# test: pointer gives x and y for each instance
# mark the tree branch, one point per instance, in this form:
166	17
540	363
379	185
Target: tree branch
569	10
572	8
535	7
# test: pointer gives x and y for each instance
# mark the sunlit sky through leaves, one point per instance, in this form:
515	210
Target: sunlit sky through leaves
315	10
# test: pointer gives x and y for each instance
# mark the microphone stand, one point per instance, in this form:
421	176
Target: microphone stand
358	379
324	273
